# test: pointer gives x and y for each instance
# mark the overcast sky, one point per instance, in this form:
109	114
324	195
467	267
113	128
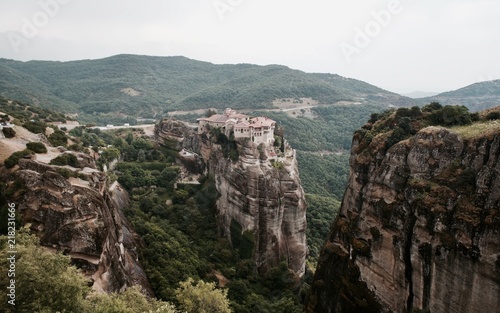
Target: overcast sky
399	45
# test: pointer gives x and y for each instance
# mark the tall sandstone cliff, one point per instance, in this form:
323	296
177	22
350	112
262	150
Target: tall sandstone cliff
255	196
82	217
418	229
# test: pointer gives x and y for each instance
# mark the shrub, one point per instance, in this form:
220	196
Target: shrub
202	297
405	112
374	117
451	115
36	147
398	134
433	106
66	159
277	164
35	127
76	147
475	117
247	245
8	132
495	115
58	138
64	172
77	131
14	158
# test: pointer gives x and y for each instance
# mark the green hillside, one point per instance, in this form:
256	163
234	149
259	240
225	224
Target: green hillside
476	97
146	86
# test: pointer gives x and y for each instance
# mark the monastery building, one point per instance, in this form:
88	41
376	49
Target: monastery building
258	129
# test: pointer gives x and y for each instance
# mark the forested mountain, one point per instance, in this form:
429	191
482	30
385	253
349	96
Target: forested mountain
476	97
147	86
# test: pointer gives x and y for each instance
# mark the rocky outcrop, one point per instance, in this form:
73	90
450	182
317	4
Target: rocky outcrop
260	194
418	229
83	218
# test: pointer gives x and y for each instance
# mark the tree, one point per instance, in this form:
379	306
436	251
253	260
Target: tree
141	156
202	297
77	131
180	196
433	106
119	143
129	138
129	301
167	178
210	112
4	118
110	154
141	143
451	115
45	281
8	132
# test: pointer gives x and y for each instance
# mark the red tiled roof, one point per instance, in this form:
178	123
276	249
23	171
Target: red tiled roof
241	125
239	115
262	122
216	118
238	119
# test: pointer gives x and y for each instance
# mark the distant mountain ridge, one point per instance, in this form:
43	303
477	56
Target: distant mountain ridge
476	97
147	86
130	86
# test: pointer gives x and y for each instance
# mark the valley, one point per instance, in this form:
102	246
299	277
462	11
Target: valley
311	179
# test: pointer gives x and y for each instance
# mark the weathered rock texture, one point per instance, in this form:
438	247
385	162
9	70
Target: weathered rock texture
84	219
255	195
418	228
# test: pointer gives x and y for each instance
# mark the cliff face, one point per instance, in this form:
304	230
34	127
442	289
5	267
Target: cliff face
82	218
418	228
257	195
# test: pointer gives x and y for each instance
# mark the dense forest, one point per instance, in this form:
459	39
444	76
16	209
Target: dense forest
114	89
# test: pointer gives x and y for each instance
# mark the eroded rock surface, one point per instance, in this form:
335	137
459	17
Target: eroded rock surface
418	229
259	193
82	218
